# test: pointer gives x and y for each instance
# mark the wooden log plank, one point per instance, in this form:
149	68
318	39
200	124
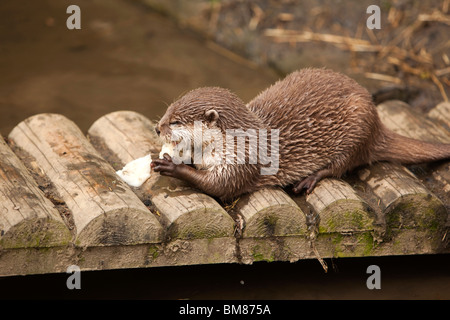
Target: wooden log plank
341	224
419	127
27	218
441	113
179	252
187	214
401	119
404	201
340	208
104	210
270	212
442	174
290	248
345	229
26	261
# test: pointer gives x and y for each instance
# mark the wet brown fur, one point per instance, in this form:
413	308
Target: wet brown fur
328	125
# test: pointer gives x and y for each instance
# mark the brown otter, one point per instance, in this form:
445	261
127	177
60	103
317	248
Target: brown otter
328	124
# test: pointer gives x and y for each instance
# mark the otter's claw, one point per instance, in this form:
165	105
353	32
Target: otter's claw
308	183
165	166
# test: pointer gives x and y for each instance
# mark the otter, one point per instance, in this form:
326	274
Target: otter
328	125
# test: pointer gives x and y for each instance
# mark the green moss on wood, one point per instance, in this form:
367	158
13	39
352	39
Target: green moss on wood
345	220
36	233
422	212
152	253
259	254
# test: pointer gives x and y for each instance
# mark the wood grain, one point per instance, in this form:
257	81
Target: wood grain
104	210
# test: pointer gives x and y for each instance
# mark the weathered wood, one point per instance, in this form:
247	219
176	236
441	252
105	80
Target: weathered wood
27	218
278	248
403	199
123	136
389	212
345	227
442	174
400	118
405	203
26	261
341	224
339	207
104	210
270	212
274	227
441	113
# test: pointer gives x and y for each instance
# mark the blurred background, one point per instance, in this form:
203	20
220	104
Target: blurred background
141	55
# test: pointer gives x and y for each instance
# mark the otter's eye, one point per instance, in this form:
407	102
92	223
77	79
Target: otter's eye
174	123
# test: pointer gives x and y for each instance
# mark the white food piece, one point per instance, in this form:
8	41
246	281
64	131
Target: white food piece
136	172
166	148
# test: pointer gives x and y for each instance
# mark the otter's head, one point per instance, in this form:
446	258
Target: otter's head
216	108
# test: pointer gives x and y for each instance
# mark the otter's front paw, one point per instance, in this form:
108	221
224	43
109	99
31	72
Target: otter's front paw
165	166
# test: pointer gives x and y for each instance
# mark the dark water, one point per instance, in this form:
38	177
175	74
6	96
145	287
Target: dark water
124	57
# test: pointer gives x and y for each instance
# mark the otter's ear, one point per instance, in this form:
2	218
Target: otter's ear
211	116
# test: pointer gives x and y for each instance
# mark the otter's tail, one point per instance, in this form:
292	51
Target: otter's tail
401	149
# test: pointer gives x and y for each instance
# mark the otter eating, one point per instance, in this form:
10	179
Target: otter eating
327	125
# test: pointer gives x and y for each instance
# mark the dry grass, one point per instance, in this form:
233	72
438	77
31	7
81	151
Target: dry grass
402	50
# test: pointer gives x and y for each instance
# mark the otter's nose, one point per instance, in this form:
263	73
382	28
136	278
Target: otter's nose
157	131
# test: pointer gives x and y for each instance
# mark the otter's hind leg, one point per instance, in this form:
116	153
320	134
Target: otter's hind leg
310	181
